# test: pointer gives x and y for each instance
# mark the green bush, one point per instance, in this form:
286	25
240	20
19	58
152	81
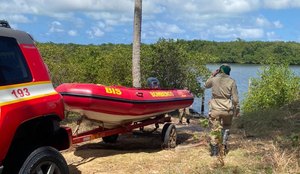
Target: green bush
276	87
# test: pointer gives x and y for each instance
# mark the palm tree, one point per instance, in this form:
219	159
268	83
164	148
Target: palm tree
136	71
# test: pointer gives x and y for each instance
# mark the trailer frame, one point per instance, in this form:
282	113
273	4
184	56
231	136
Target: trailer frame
169	134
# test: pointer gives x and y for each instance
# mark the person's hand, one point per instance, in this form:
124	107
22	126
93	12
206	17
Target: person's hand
215	72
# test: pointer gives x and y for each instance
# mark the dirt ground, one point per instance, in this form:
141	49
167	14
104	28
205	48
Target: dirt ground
138	152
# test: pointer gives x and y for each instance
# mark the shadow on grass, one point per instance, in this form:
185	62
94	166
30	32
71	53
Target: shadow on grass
73	169
126	143
133	142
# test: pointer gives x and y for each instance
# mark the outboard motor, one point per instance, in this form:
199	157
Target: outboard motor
4	23
153	82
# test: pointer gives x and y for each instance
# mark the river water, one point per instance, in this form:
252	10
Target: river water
242	74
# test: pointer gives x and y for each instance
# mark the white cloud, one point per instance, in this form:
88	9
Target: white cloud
123	9
272	36
95	32
281	4
154	7
167	28
262	22
102	15
222	32
56	27
101	25
277	24
15	18
232	32
107	21
251	33
213	6
155	30
160	29
62	6
168	18
72	33
240	6
223	29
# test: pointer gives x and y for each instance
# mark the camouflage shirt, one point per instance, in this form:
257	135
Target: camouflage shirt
224	92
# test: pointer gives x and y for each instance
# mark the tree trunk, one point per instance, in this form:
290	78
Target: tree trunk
136	70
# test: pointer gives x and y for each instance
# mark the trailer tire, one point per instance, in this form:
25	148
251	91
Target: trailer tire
169	136
111	138
45	159
164	129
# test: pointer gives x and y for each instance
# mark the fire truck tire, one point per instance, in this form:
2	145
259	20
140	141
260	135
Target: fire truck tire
111	138
45	160
169	136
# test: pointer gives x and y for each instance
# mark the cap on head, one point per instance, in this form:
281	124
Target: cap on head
225	68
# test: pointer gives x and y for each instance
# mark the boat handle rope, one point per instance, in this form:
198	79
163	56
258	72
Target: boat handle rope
139	94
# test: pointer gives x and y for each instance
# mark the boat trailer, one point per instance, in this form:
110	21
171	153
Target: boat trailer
168	133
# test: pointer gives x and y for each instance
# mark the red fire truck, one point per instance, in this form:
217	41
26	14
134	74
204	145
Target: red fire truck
30	108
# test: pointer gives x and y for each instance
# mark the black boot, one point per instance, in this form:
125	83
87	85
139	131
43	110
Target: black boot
214	150
226	150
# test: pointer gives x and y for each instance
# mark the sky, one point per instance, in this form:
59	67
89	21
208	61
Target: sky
111	21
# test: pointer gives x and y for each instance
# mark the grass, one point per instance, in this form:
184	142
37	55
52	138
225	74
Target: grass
273	137
263	142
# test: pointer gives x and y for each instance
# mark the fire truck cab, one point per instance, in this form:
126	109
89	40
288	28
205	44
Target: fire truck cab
30	109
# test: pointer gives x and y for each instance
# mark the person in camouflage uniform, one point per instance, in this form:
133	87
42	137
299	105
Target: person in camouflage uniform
223	105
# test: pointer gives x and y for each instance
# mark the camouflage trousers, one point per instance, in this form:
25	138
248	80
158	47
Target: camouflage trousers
219	121
184	112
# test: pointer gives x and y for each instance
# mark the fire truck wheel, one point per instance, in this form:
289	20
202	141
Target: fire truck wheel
45	160
169	136
111	138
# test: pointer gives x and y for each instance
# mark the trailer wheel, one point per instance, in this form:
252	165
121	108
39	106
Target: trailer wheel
45	160
169	135
164	129
111	138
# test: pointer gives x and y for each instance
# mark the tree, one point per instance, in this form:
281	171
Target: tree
174	67
136	74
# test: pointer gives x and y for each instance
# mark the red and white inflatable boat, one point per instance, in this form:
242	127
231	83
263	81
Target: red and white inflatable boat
119	105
